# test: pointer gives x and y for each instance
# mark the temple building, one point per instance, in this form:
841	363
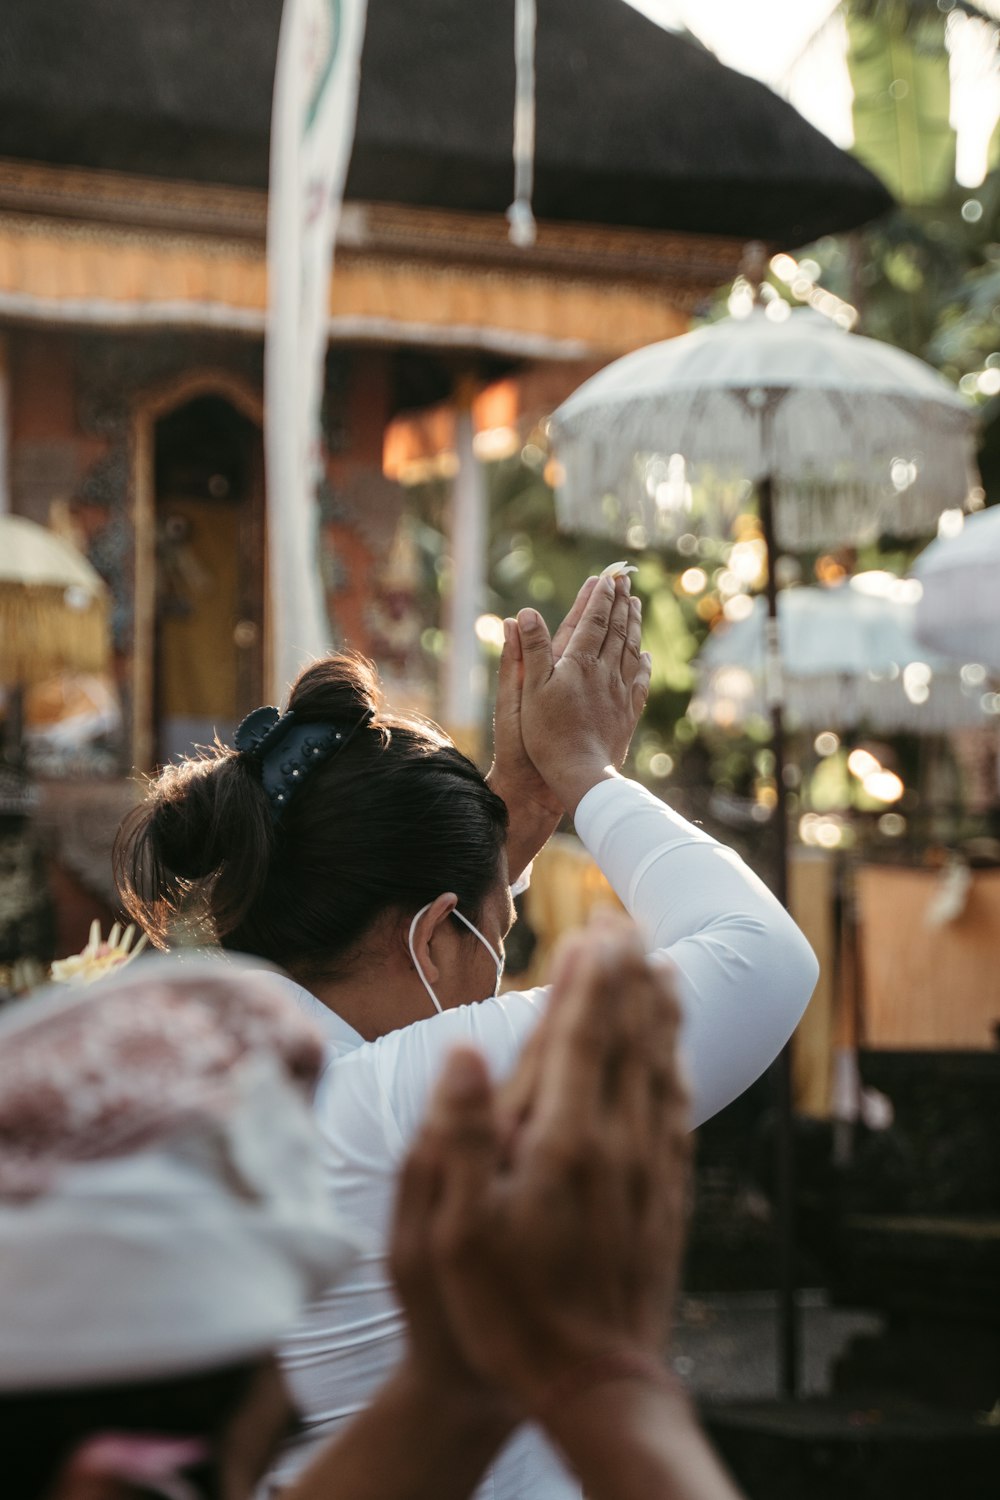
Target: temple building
133	174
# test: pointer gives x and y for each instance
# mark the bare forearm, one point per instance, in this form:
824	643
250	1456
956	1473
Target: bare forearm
532	824
412	1443
633	1441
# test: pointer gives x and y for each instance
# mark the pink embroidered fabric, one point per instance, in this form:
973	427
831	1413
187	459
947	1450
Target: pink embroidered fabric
120	1069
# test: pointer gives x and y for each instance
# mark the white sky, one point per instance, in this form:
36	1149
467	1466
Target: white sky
799	48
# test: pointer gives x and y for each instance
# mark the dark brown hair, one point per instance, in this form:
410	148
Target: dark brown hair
395	818
40	1430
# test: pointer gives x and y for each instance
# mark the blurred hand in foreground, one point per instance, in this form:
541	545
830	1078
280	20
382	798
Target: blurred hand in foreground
536	1248
557	1207
549	1214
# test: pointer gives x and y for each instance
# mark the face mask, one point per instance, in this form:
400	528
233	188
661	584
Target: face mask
473	929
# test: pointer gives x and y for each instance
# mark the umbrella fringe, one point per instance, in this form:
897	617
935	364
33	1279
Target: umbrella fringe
839	702
959	609
41	634
837	479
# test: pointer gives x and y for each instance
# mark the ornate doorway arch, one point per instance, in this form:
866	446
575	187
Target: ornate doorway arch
149	409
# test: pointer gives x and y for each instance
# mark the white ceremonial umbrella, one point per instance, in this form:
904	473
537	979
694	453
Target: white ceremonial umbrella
855	437
959	609
841	437
850	658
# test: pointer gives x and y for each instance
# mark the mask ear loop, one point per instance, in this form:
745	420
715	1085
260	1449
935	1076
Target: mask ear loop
486	944
497	960
420	973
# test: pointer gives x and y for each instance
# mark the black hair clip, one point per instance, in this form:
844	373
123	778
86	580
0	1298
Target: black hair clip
288	750
261	730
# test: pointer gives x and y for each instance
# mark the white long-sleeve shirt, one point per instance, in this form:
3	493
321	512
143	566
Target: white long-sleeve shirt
745	976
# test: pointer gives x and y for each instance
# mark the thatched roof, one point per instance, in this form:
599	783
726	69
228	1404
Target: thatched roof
636	126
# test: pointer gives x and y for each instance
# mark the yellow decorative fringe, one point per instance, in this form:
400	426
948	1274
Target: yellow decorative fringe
40	633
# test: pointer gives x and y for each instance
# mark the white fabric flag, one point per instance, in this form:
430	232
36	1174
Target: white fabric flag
312	129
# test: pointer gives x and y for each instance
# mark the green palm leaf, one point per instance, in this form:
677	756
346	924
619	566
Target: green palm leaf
902	96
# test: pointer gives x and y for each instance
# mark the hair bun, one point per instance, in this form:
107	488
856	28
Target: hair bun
206	818
341	687
178	830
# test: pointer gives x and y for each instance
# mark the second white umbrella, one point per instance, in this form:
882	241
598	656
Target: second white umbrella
850	658
959	609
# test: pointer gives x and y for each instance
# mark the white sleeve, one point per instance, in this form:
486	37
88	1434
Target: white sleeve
746	971
409	1061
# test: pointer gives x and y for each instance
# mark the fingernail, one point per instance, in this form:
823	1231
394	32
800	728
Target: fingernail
635	605
605	584
463	1078
647	658
626	584
528	619
509	630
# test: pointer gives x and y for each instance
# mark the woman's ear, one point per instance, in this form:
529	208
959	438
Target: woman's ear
427	929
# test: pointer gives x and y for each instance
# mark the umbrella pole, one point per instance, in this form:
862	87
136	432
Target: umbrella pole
14	727
784	1145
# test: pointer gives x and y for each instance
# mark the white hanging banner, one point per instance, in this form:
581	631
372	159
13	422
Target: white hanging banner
523	229
312	130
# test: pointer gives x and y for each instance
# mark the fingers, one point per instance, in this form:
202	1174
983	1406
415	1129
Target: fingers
607	1069
640	684
591	629
518	1094
508	700
613	645
665	1022
632	649
463	1122
661	1217
665	1088
536	648
511	643
562	636
570	952
418	1191
586	1033
507	707
655	1094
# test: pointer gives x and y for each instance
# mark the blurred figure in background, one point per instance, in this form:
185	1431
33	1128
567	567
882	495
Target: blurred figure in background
162	1213
371	860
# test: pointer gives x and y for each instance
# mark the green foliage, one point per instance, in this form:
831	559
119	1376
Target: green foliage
531	562
911	15
925	278
902	96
